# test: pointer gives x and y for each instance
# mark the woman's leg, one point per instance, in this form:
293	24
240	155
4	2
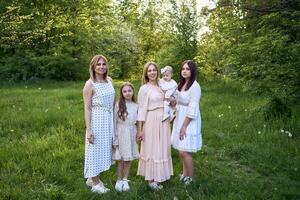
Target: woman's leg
188	163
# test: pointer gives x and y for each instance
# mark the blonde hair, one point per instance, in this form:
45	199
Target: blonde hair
145	78
93	64
166	68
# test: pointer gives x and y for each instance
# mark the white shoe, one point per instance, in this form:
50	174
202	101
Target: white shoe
119	186
155	186
187	180
125	185
89	182
99	188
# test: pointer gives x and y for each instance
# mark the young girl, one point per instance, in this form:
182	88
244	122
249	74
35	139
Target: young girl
168	85
125	146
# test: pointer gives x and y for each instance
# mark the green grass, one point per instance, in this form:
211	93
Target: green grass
243	156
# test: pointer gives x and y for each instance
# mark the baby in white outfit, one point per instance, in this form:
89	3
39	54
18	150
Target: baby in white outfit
168	85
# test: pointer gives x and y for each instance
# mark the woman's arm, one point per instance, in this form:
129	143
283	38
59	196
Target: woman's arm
87	99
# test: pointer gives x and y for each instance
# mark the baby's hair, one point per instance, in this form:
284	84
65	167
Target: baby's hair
122	112
166	68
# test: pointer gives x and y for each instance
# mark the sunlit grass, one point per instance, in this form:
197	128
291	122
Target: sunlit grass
243	156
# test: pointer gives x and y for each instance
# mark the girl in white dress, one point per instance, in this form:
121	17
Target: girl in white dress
125	146
98	95
168	86
186	133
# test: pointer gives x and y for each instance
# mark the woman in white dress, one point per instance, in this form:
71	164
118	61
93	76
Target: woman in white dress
186	133
98	95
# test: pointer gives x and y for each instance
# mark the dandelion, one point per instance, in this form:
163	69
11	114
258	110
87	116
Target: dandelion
229	107
290	135
58	107
259	132
11	130
220	115
40	88
46	110
282	131
236	125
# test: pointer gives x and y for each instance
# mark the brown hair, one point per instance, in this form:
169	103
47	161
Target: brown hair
93	64
122	112
145	78
193	69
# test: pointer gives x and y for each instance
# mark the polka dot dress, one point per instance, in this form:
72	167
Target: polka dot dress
98	156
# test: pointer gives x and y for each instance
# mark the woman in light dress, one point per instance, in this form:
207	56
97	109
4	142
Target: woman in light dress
125	146
98	95
186	133
155	162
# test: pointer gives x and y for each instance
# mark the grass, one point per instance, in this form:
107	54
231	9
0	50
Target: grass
243	156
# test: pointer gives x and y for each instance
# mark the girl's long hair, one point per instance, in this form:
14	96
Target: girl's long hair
122	112
193	70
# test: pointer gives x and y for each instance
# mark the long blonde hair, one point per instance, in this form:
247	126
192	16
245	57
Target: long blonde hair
145	78
93	64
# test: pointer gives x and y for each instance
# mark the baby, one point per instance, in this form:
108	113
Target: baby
168	85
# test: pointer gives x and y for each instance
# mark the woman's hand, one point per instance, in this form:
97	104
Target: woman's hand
115	146
90	136
140	136
172	101
182	133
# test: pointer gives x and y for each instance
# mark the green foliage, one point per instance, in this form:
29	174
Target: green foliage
257	43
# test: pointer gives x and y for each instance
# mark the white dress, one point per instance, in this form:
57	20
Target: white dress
188	106
169	87
125	134
98	156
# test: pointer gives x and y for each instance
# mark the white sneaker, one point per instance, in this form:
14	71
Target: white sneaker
187	180
89	182
99	188
155	186
119	186
125	185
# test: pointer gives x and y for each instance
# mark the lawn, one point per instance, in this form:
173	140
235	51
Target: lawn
243	156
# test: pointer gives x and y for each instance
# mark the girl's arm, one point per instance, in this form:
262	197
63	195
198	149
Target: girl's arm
87	99
140	134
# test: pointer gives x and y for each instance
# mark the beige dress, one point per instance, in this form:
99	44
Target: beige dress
125	134
155	161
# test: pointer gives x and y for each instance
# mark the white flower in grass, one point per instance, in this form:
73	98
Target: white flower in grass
26	86
282	131
46	110
13	106
40	88
246	110
229	107
12	130
296	169
58	107
220	115
290	134
264	126
275	189
259	132
236	125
